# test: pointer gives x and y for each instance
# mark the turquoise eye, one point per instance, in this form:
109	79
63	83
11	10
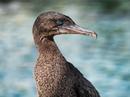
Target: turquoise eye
59	22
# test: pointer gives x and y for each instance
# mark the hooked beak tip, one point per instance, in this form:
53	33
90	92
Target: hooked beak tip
94	35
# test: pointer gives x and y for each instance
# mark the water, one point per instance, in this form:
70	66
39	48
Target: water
104	61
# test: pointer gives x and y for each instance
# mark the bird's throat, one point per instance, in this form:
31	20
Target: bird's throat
49	51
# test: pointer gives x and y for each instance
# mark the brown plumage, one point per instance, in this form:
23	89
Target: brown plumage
55	77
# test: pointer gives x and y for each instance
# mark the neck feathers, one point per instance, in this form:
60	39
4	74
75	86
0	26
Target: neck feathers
48	51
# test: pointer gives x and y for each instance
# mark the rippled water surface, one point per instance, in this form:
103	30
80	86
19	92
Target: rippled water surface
104	61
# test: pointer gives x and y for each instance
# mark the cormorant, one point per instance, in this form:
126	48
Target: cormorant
54	75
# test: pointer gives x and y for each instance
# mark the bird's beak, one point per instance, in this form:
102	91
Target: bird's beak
75	29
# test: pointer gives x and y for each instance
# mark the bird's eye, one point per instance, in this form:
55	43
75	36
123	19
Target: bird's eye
59	22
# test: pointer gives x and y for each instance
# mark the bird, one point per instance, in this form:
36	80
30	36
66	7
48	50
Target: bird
54	75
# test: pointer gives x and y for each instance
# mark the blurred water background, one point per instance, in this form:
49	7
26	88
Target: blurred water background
105	61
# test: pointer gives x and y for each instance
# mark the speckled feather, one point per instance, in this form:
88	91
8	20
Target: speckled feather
55	77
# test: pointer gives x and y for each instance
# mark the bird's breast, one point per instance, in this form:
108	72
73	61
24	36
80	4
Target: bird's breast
51	77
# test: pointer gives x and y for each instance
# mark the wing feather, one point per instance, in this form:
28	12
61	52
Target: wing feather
83	87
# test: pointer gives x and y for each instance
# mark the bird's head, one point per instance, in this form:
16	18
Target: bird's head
49	24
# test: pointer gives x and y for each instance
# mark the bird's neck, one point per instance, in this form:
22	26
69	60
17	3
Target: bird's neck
48	51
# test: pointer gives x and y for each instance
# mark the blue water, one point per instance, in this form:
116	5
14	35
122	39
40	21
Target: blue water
104	61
